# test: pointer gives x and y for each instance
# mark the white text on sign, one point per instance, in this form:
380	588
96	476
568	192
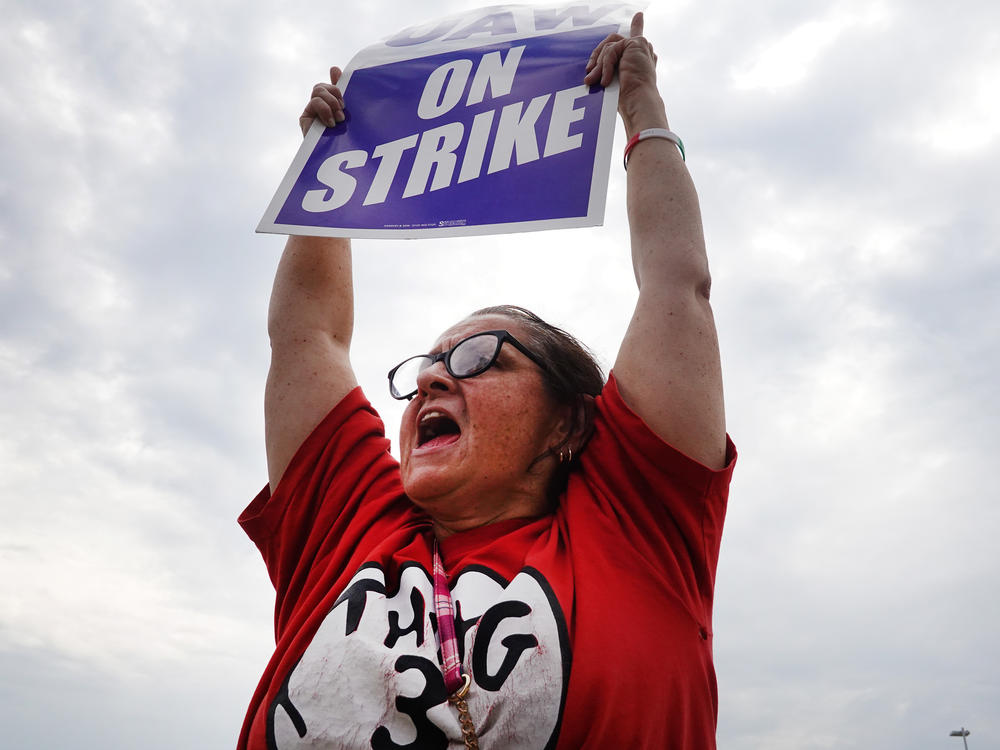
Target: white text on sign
516	137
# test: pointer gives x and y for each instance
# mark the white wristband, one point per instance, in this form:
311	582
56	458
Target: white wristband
654	133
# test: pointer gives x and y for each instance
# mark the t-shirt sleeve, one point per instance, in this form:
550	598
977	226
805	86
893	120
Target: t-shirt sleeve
339	486
669	507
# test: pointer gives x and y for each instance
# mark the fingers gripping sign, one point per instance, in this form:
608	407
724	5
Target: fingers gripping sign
326	103
632	56
634	60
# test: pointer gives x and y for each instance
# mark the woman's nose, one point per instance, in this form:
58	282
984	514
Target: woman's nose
435	377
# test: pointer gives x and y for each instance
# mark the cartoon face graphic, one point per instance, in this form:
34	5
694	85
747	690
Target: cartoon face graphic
371	677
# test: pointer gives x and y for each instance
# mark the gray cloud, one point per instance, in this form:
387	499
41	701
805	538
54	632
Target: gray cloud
845	157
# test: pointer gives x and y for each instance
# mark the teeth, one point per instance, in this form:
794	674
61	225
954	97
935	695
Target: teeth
433	424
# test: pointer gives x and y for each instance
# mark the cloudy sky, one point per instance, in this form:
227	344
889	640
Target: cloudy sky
846	154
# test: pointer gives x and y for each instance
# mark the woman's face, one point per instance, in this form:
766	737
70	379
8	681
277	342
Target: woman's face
469	446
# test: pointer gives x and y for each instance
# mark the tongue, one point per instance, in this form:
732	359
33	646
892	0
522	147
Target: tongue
437	442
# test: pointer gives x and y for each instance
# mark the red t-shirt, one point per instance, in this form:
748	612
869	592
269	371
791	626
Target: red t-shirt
589	627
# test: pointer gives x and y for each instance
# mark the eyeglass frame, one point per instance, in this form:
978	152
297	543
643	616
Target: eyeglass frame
502	336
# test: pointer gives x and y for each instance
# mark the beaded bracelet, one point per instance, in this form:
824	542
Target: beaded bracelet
654	133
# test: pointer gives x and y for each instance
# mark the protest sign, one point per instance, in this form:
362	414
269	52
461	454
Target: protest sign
475	124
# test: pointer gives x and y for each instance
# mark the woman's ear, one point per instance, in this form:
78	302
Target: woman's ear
575	426
583	422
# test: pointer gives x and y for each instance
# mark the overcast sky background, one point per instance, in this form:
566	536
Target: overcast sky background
846	155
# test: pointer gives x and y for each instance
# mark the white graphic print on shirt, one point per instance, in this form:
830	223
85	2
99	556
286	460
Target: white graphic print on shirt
371	677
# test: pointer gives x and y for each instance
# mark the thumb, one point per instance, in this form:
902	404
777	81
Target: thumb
636	29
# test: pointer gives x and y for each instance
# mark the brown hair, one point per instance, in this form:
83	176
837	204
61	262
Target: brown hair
572	374
572	368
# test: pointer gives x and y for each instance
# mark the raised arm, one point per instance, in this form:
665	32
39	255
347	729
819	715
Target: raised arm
668	366
310	321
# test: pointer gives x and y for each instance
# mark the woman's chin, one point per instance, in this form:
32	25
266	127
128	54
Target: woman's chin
426	485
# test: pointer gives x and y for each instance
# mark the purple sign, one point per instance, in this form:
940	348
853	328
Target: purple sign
462	134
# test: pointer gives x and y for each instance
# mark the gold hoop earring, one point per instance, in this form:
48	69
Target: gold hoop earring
570	454
561	457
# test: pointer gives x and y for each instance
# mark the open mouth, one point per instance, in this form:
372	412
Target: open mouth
436	429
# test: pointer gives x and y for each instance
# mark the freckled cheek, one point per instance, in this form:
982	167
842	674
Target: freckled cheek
507	427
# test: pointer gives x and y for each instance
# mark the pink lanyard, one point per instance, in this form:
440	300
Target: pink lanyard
453	677
455	682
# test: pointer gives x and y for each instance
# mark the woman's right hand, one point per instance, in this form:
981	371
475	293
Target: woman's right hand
310	321
326	104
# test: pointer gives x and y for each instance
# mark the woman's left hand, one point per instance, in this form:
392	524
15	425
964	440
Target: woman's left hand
635	62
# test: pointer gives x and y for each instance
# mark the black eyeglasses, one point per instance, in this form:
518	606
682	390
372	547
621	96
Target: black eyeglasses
469	357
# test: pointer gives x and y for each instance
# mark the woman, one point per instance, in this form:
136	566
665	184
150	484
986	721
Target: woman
537	571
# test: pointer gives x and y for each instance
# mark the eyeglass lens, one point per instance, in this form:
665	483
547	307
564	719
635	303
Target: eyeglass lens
469	357
474	355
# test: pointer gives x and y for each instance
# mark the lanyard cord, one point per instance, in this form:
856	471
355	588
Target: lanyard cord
455	682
